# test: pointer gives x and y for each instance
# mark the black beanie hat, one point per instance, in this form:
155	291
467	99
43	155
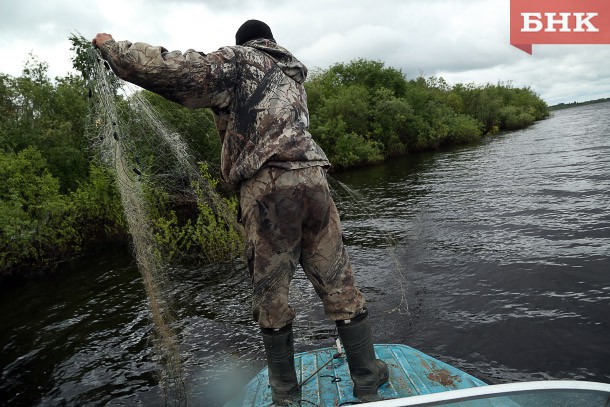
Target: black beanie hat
252	30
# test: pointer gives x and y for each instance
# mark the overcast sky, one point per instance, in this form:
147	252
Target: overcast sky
463	41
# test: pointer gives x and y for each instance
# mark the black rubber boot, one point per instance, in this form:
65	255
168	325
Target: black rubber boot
368	373
279	348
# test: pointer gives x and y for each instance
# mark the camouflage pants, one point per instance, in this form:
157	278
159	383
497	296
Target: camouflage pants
290	218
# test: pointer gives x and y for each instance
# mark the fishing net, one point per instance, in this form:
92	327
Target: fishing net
171	204
356	208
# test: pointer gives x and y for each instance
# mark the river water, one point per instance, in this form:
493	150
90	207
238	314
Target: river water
493	257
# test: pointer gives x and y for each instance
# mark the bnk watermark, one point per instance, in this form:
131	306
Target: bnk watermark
559	22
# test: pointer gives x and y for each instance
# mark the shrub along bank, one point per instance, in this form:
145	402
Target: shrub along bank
363	112
56	198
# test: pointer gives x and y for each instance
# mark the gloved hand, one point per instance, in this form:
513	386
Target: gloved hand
101	38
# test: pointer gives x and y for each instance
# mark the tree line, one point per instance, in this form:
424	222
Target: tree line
560	106
363	112
57	199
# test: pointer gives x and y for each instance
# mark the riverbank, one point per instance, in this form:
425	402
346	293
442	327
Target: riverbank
60	196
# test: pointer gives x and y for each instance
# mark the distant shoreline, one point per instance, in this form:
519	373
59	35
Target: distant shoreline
575	104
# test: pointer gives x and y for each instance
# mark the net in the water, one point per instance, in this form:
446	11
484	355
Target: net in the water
171	205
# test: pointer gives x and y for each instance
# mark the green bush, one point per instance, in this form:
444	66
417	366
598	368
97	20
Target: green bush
97	204
462	129
352	150
513	118
394	116
36	220
201	236
39	225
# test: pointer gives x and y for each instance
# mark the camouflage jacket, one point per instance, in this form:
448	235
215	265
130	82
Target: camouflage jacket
255	91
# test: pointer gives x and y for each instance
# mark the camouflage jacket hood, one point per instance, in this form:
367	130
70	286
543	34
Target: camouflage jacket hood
255	91
283	58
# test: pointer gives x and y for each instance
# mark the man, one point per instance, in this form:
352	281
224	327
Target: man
255	90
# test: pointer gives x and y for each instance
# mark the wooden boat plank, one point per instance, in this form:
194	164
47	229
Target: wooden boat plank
411	373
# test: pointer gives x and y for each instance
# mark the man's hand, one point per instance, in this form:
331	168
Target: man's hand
101	38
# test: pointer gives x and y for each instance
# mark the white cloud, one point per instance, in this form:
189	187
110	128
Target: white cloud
461	40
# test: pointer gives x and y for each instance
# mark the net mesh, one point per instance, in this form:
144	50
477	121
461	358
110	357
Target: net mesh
169	201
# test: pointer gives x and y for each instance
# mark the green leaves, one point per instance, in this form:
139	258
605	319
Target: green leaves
50	203
362	111
195	235
352	149
32	211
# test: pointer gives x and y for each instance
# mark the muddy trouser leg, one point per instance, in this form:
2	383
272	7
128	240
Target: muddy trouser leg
271	213
323	256
327	265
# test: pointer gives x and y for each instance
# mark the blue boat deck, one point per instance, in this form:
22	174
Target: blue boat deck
411	373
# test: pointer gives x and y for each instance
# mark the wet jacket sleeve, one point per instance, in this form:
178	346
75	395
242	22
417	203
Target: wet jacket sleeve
192	79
